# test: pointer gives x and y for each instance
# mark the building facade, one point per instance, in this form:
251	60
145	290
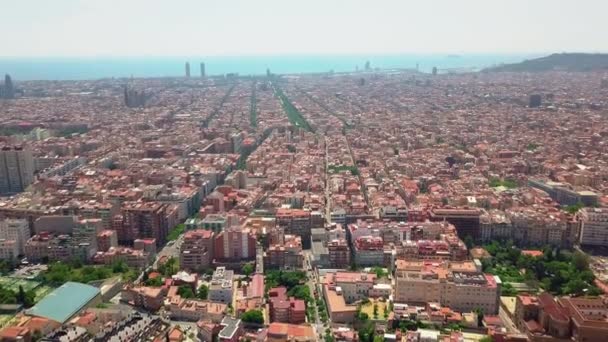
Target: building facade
458	285
593	226
196	252
15	230
16	169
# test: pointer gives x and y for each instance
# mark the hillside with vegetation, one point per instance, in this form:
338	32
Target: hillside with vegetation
557	61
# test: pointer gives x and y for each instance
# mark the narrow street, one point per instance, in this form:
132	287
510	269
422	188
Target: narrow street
504	317
327	187
171	249
313	284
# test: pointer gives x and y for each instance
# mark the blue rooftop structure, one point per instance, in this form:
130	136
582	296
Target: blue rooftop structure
64	302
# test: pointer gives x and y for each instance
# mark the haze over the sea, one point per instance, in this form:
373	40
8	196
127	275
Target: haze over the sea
95	68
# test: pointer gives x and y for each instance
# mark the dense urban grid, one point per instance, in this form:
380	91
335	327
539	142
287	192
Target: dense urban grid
379	205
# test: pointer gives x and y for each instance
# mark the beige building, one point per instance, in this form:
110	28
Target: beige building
540	226
342	289
195	310
16	230
354	286
458	285
8	249
339	311
594	226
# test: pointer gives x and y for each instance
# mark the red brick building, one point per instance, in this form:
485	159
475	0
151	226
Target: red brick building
285	310
196	252
339	253
235	243
143	220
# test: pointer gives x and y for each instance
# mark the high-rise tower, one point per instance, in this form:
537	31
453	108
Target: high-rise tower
134	98
202	69
535	101
187	69
16	169
8	90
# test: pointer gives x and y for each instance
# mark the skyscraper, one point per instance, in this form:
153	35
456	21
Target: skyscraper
434	70
16	169
202	69
187	69
7	91
535	100
134	98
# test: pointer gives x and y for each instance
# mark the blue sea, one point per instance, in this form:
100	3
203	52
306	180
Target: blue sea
105	67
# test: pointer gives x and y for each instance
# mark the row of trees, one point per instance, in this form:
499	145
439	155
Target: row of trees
294	115
322	309
176	232
6	266
169	267
25	298
339	168
60	272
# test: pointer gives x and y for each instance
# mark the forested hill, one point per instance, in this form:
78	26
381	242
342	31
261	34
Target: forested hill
558	61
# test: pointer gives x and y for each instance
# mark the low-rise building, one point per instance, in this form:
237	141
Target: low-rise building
284	309
593	226
133	258
278	332
287	255
232	329
58	248
544	317
220	289
368	251
353	286
149	298
458	285
15	334
338	309
182	309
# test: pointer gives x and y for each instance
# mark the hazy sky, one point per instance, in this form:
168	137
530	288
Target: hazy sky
248	27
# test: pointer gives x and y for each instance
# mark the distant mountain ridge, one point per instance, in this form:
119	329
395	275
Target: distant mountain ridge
558	61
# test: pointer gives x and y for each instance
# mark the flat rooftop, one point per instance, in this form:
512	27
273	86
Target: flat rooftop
64	302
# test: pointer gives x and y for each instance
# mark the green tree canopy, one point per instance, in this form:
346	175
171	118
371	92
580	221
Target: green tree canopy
185	291
247	269
154	282
253	316
300	292
203	292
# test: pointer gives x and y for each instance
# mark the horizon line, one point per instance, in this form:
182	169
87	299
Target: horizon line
296	54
